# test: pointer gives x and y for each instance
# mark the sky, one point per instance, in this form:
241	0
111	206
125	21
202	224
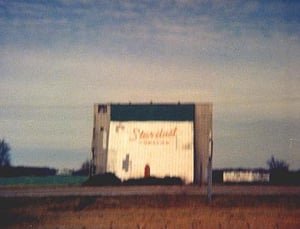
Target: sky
60	57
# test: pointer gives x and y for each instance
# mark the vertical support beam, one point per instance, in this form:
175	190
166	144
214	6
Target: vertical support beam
202	130
100	137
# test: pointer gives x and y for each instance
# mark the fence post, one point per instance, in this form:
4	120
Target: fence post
209	169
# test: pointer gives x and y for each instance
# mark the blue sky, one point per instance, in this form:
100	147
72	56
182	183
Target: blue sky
58	58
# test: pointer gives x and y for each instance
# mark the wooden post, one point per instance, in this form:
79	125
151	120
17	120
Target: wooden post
209	169
209	180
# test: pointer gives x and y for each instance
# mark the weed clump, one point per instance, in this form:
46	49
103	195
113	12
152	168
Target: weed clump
106	179
110	179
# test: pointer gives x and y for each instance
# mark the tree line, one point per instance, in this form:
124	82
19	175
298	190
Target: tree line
7	170
278	169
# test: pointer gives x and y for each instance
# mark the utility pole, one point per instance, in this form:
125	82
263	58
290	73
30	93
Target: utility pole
209	169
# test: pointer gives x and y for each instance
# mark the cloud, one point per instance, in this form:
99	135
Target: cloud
82	76
40	76
215	30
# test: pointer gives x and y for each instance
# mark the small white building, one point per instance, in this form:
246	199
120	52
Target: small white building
65	172
250	176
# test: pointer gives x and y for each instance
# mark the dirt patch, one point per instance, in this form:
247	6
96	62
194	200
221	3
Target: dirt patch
161	211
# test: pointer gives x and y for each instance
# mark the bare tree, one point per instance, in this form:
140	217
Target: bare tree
84	169
85	165
4	153
277	165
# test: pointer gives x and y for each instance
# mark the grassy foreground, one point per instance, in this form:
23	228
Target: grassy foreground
175	211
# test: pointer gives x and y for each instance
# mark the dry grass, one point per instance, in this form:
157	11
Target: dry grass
178	211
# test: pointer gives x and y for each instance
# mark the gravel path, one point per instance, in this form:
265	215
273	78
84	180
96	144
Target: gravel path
49	191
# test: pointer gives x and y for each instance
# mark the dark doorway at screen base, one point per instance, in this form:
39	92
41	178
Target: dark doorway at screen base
147	171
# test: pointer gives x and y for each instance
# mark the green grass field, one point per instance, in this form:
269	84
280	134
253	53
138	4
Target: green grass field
38	181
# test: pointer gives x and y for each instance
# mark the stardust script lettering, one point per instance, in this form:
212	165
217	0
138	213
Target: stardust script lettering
159	137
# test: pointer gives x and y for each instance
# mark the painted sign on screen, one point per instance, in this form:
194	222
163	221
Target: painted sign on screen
165	146
159	136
